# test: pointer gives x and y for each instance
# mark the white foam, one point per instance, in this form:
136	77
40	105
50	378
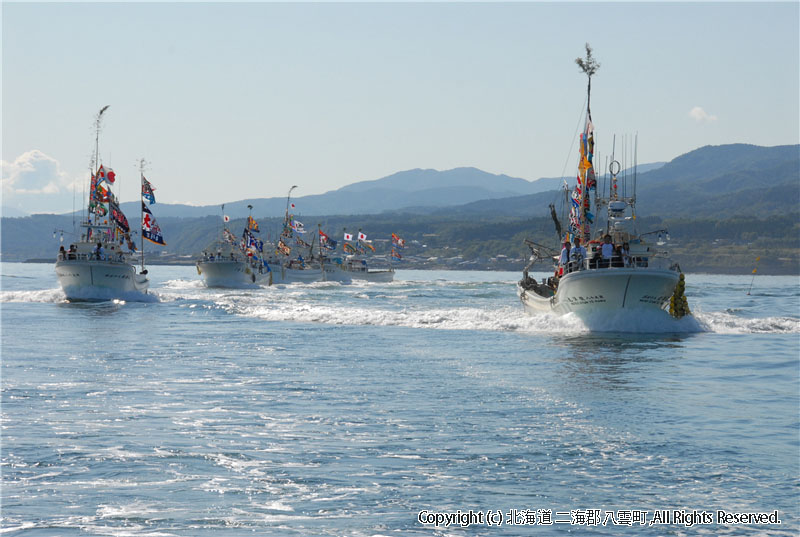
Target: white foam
726	323
23	526
45	295
508	318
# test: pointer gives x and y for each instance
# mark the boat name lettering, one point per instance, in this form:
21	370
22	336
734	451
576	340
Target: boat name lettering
596	299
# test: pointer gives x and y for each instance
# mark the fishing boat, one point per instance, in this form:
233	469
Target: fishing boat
97	267
355	263
358	269
290	265
235	263
620	270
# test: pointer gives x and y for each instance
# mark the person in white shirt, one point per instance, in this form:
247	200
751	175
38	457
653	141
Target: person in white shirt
607	251
578	254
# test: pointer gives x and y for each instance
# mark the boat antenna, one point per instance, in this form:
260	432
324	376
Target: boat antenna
97	123
589	66
289	195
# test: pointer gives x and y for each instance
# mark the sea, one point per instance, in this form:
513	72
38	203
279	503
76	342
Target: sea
428	406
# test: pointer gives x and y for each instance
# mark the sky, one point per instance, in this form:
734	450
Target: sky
228	101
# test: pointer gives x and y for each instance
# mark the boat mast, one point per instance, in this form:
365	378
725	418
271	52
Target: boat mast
222	233
247	227
288	196
97	122
589	66
141	210
95	160
319	246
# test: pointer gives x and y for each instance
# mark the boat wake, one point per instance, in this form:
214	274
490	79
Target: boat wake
58	296
44	295
726	323
431	305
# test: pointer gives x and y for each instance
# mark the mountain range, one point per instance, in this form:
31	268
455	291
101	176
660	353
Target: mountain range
417	190
711	192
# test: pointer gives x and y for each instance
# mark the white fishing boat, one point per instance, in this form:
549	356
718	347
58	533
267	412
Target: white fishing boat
290	265
97	267
358	269
355	264
235	263
620	271
232	271
298	274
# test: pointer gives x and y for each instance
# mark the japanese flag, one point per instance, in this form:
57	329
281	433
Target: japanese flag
348	237
226	218
361	236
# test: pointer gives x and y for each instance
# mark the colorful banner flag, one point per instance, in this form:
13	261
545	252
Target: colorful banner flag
119	217
100	194
252	224
348	248
282	248
147	191
326	242
396	254
97	208
397	241
150	229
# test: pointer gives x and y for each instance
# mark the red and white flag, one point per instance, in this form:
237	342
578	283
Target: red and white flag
226	218
361	236
348	237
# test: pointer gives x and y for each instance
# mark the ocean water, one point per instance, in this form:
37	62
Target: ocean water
391	409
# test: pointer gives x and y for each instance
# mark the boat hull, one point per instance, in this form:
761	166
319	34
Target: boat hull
100	280
610	290
233	274
282	274
375	276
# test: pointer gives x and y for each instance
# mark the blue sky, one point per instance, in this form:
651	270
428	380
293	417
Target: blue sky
230	101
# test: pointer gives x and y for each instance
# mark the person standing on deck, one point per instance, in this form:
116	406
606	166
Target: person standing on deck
564	258
607	250
578	254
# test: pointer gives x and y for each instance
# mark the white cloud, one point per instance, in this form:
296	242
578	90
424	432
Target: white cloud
36	182
698	114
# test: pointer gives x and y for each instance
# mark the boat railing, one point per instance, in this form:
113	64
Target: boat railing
78	256
652	260
218	258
